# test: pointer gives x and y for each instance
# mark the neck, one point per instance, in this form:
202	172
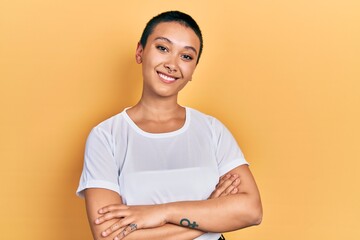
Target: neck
158	108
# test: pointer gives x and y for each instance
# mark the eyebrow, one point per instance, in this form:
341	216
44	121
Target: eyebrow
169	41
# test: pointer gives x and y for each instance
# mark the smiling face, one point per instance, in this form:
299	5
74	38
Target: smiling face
169	59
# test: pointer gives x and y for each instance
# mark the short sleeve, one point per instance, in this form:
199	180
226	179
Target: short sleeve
228	152
100	169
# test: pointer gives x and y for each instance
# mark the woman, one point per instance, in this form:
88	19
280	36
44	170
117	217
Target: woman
162	171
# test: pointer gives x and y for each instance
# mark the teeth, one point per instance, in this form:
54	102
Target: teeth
166	77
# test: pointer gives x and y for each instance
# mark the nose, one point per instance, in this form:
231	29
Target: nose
170	68
170	65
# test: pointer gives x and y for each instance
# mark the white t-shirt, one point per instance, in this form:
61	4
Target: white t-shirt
154	168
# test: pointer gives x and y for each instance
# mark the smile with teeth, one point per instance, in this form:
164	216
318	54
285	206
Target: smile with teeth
166	78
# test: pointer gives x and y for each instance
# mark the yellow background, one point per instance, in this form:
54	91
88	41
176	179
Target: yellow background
284	76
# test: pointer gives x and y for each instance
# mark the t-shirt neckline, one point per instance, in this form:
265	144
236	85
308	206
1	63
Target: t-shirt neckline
158	135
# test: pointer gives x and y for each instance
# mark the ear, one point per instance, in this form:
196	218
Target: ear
138	53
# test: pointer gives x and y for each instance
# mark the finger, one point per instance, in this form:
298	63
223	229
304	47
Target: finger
228	186
233	185
111	229
121	224
221	188
236	182
215	194
233	179
236	190
129	229
113	207
111	215
229	180
224	182
226	176
223	179
227	191
232	189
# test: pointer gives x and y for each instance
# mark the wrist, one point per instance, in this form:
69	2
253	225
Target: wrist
167	211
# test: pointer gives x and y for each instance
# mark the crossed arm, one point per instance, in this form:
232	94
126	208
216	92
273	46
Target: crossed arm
233	205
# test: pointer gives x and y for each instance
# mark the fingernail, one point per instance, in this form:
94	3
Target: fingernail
103	234
97	221
100	211
116	238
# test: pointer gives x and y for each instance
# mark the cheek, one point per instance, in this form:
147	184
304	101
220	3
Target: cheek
189	73
149	64
188	70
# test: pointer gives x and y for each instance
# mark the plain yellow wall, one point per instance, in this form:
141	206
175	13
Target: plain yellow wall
284	76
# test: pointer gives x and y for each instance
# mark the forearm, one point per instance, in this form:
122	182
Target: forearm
166	232
216	215
96	198
220	214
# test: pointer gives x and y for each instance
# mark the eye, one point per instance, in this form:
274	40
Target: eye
187	57
162	48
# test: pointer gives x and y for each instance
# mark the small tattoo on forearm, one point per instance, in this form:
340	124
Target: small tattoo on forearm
186	223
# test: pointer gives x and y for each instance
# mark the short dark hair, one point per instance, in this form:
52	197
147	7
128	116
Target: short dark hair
172	16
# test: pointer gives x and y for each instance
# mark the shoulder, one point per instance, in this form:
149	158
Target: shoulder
112	122
110	127
196	115
205	119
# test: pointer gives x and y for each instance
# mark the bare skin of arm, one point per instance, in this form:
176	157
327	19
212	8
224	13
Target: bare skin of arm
96	198
222	214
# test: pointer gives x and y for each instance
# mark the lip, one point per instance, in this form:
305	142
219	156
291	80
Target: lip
167	78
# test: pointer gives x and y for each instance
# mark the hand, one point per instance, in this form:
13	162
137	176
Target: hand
228	184
131	218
